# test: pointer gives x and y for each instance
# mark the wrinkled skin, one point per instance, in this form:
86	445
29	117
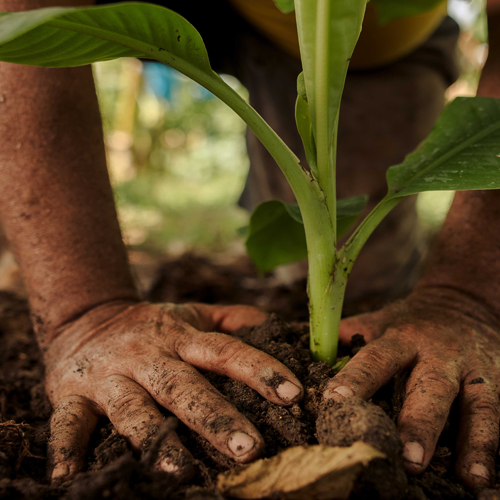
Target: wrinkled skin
451	347
123	360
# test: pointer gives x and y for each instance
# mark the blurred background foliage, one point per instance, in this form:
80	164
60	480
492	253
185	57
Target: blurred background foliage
177	155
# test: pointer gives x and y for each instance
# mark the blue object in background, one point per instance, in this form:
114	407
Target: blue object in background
163	81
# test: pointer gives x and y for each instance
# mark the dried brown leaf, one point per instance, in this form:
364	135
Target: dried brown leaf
301	473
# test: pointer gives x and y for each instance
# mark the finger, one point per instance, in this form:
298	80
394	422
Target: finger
478	432
71	425
371	326
430	391
230	356
373	367
134	414
185	392
225	319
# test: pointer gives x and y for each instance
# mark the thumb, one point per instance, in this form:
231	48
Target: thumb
227	319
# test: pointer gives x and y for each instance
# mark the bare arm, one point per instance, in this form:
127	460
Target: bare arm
56	202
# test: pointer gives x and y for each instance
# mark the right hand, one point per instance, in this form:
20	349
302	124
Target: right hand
121	360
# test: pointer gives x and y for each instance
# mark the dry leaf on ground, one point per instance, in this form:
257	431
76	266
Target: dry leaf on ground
301	473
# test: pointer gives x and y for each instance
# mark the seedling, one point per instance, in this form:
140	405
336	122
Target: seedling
461	153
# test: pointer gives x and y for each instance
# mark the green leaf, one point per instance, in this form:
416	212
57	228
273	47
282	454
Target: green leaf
285	6
328	32
275	237
59	37
276	234
461	153
389	10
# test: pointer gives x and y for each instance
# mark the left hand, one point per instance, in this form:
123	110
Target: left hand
451	345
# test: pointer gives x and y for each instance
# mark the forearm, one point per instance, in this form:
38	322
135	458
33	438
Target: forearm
467	257
56	202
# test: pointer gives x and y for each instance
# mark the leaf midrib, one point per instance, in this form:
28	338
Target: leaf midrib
145	48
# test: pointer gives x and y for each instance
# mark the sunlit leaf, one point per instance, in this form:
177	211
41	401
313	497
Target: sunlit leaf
461	153
59	37
327	43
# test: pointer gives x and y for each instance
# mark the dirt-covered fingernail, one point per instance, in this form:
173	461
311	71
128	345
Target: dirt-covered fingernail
169	466
338	393
288	391
479	471
414	453
60	471
240	443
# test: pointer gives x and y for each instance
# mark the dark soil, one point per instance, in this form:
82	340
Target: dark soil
114	472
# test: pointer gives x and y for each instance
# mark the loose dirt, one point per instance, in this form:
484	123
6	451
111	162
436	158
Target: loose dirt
114	472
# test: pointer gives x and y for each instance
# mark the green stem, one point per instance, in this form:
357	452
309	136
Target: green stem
355	243
326	294
325	154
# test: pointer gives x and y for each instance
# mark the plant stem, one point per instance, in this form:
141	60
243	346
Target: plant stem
326	160
358	239
326	296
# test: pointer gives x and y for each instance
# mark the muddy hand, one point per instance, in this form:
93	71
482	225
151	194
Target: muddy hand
452	348
121	360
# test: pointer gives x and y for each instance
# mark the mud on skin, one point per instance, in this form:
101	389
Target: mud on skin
114	471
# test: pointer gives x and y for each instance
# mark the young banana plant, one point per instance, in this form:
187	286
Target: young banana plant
461	153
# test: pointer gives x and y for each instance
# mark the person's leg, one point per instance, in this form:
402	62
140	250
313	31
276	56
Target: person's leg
385	114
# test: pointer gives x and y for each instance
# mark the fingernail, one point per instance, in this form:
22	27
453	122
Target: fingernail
288	391
60	471
414	453
240	443
338	393
169	466
479	470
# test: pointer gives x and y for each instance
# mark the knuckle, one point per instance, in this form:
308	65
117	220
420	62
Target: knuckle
228	349
171	384
214	422
437	379
180	337
376	360
127	406
69	412
442	385
487	408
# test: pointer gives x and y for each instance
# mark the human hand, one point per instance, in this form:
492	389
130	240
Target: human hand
120	360
451	345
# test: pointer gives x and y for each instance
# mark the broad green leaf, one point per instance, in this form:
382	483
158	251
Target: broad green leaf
388	10
461	153
285	6
58	37
276	234
328	32
275	237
